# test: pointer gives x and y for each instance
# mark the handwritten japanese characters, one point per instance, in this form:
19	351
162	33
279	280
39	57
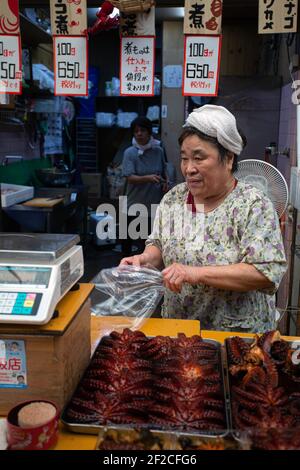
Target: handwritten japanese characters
138	24
68	17
10	65
9	17
70	65
137	66
202	16
201	65
277	16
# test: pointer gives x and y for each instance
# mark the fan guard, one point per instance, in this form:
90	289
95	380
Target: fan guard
266	178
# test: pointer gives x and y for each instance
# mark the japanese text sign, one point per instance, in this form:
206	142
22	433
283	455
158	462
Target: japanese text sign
68	17
137	66
201	65
9	17
70	65
202	16
10	65
13	371
138	24
277	16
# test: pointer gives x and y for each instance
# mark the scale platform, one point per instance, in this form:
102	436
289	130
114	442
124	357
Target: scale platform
36	271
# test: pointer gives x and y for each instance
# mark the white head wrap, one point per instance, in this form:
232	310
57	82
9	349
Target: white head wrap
218	122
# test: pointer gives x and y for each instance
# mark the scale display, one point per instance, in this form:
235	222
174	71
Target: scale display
25	275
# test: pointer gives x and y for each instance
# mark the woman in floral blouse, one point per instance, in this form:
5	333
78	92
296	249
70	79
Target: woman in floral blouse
217	239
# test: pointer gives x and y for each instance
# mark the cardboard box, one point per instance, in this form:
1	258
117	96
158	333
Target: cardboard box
55	360
93	181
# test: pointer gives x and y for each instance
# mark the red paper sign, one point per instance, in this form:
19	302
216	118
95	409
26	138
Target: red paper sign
9	17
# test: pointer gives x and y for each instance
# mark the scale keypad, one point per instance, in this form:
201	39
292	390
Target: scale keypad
19	303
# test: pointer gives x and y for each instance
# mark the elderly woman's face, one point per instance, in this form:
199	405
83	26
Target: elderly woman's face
141	135
206	175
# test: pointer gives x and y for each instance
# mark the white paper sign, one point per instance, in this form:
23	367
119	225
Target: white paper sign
137	66
201	65
172	76
13	369
70	65
10	65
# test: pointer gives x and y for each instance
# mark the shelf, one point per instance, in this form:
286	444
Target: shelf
32	34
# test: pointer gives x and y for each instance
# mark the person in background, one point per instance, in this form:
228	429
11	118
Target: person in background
226	273
144	169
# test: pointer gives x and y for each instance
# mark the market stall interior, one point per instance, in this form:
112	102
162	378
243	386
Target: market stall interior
86	359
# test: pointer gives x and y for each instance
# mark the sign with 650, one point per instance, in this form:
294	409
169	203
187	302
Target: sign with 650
10	65
70	65
201	65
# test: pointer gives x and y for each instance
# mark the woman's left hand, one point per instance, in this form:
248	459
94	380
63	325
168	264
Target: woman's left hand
176	274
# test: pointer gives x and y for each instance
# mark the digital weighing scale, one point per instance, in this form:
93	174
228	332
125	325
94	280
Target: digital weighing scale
36	271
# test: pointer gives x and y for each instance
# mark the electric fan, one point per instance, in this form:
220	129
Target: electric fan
266	178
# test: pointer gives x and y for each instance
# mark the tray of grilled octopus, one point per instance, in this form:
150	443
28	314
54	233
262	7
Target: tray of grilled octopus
264	390
158	383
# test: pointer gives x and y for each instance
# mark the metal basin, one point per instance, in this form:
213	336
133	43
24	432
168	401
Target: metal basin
54	177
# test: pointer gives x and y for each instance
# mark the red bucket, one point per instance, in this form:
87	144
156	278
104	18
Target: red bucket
36	438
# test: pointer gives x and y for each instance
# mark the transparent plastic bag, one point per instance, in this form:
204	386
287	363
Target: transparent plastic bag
129	293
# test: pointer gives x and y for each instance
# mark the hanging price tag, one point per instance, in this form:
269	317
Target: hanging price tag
70	65
201	65
10	65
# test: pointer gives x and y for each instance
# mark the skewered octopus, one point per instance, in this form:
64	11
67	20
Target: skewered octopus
128	371
182	418
105	409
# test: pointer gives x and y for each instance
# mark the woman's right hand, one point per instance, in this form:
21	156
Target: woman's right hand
154	178
136	260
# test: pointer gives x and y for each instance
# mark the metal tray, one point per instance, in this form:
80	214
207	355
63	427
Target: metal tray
235	432
95	429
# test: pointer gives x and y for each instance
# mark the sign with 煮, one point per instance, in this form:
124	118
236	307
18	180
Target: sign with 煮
68	17
202	16
201	65
10	65
137	66
138	24
277	16
70	65
9	17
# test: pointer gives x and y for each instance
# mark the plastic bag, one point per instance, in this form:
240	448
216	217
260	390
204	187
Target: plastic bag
130	293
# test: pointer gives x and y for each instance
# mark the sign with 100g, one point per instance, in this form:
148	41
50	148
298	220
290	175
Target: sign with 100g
201	65
10	65
70	65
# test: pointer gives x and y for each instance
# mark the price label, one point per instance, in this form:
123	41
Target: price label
70	65
201	65
10	65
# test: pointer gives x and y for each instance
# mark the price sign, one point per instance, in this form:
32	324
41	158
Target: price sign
201	65
10	65
137	66
70	65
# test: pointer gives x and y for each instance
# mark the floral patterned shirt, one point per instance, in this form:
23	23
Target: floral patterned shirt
244	228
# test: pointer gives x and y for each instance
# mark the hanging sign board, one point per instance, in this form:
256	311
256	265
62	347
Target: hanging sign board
68	17
137	66
9	17
201	65
70	65
277	16
10	65
202	16
138	24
